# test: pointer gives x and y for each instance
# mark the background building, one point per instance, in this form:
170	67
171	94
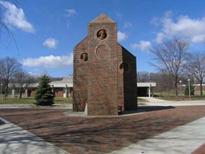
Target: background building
64	88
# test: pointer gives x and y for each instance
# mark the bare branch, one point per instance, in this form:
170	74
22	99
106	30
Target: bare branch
171	56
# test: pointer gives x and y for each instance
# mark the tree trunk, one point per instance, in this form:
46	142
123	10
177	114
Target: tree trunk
201	88
176	85
20	93
6	90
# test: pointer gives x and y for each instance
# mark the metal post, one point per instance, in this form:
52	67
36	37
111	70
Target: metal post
53	90
66	91
189	84
26	93
1	92
180	86
149	91
13	93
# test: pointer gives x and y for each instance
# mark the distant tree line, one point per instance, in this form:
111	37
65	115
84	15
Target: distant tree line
175	65
13	76
172	58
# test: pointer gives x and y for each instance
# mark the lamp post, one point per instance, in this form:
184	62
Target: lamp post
1	91
180	86
189	84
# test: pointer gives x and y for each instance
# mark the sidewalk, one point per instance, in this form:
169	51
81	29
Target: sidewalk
15	140
181	140
159	102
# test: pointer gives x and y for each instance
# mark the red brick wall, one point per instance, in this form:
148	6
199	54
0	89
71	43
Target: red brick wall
99	81
33	92
80	81
127	87
130	81
58	92
102	71
120	78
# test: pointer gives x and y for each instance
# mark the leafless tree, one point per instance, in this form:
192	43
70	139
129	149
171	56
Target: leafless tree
8	68
163	80
143	76
22	80
195	67
170	57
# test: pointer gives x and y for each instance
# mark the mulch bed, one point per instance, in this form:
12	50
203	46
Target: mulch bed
96	135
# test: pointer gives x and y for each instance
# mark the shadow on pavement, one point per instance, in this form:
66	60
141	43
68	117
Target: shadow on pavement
14	139
149	109
2	122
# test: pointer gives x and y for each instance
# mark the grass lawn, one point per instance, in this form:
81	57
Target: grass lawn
31	100
141	100
170	95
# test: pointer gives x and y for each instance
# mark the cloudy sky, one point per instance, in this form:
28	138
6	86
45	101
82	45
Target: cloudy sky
43	33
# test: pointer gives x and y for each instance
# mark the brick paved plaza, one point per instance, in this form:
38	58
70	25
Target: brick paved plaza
100	134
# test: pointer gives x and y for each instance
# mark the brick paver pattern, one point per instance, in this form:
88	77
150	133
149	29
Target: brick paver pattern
97	134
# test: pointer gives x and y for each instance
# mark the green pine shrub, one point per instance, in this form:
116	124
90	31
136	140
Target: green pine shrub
44	95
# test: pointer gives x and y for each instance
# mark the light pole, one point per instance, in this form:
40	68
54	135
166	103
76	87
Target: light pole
189	84
180	86
1	92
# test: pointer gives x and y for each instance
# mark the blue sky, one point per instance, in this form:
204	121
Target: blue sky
46	31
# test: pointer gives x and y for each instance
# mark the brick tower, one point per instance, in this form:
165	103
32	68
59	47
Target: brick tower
104	71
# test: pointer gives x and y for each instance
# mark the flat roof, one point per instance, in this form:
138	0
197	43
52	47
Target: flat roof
146	84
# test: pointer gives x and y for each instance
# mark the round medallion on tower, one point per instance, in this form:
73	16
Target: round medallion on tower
102	52
84	56
124	67
102	34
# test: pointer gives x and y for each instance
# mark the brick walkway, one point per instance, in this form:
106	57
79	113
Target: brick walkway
99	135
200	150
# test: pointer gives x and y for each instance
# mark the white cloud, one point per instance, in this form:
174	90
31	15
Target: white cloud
50	61
121	36
183	26
50	43
15	17
127	25
198	38
70	12
160	37
142	45
155	21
